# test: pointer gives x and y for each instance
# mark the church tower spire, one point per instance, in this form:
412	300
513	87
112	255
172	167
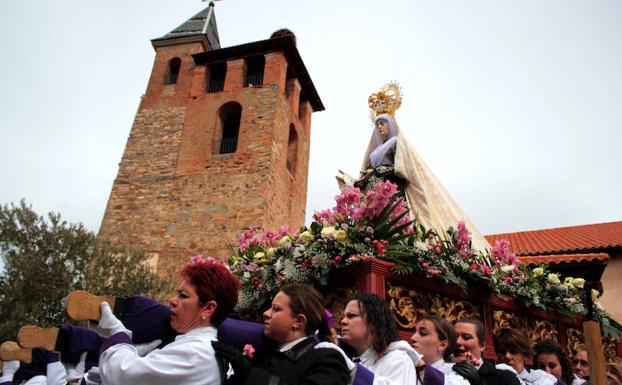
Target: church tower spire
201	26
220	142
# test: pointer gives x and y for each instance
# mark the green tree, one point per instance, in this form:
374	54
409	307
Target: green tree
123	271
45	258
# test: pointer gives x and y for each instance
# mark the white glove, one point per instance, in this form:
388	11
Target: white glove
8	370
92	377
109	325
55	374
329	345
147	347
76	372
36	380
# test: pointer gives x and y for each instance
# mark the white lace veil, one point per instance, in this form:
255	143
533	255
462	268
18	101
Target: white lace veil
426	196
376	141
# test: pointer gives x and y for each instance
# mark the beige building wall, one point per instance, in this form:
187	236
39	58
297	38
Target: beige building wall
612	289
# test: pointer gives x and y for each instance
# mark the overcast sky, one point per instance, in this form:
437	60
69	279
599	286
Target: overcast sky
516	106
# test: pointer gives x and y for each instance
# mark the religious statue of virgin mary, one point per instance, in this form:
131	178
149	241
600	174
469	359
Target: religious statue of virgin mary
389	156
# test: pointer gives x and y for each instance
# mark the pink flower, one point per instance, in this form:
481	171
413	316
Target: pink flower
474	266
486	270
463	241
360	212
249	351
198	259
433	272
284	230
270	237
437	249
471	359
425	265
337	258
503	255
347	202
380	245
324	216
248	238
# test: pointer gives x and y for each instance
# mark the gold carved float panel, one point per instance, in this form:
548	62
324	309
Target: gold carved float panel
610	348
409	305
575	341
536	329
336	302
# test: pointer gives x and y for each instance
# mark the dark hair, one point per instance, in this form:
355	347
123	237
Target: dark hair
380	321
214	281
513	341
306	300
445	331
553	347
479	328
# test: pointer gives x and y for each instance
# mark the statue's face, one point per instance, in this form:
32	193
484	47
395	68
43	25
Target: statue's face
383	128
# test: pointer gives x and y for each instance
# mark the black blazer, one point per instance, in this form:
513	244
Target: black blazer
493	376
300	365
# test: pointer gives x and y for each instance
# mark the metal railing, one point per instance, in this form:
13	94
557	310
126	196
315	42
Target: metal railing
228	145
172	79
254	79
215	85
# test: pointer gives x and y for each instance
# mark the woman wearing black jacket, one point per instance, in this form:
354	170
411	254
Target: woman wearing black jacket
296	314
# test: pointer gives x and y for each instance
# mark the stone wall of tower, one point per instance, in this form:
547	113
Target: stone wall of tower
175	194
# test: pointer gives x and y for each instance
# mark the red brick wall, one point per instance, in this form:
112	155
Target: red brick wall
175	195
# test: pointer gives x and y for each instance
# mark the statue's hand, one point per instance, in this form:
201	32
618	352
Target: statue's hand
365	175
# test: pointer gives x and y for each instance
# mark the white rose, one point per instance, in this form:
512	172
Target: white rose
538	271
306	236
553	278
422	246
579	282
507	268
328	232
595	294
340	235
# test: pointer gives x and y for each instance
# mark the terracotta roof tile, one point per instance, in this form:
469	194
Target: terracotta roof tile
563	258
563	239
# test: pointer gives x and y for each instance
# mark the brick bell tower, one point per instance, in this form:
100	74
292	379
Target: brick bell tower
220	142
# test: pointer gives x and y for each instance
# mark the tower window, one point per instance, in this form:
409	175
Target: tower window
292	149
217	75
230	116
254	71
173	70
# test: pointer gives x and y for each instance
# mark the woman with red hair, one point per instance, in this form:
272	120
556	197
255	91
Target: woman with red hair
207	294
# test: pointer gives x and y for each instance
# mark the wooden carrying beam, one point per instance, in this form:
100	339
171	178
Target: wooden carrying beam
594	346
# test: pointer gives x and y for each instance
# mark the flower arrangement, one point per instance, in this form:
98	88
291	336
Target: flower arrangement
376	224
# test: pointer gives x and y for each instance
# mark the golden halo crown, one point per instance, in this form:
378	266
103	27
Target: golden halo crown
387	100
